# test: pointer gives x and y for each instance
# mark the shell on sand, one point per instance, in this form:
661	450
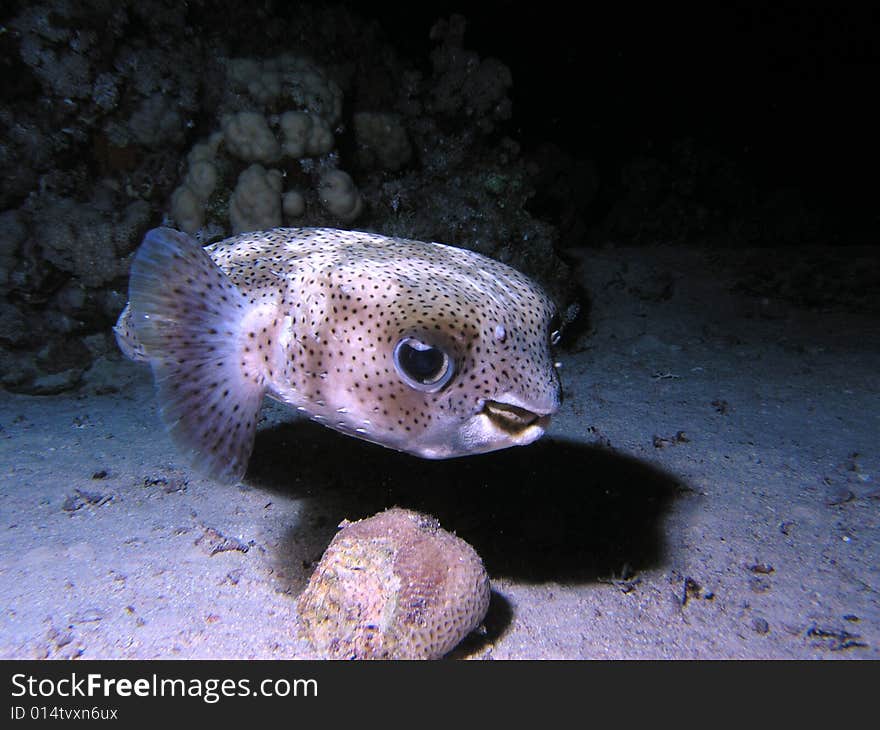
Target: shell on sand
394	586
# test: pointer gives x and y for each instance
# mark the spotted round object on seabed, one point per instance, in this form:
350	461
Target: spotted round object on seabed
394	586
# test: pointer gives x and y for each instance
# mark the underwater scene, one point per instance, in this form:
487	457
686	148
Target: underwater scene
348	331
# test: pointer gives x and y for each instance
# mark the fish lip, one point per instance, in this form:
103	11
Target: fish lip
513	419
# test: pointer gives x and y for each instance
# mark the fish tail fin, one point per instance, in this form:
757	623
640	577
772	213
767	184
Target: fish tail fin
190	320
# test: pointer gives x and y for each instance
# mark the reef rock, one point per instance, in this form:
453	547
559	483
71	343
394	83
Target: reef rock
394	586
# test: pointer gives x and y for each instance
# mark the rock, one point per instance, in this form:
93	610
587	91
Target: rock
394	586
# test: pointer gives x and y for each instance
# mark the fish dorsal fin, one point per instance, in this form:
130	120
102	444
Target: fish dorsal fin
191	321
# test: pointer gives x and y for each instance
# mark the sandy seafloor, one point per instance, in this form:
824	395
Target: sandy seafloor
710	489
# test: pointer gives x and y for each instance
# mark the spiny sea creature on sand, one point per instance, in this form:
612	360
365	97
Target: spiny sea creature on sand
420	347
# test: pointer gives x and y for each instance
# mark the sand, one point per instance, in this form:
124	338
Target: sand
710	489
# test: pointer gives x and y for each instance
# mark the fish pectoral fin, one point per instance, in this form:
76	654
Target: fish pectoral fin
188	316
126	338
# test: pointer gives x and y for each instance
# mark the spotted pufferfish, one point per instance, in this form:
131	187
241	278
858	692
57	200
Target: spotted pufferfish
421	347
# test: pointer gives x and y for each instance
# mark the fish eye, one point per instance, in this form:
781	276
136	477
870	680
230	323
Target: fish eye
422	366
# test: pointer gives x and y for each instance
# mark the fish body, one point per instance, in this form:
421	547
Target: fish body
420	347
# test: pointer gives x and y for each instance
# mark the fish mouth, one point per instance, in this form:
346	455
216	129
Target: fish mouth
513	419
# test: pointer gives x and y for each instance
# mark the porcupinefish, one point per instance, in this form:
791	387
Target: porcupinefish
420	347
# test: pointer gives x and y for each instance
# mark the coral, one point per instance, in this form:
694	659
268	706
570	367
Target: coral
105	99
288	81
258	78
13	325
305	135
202	175
293	204
381	141
464	82
56	53
105	92
394	586
339	195
24	152
248	137
12	235
256	201
82	241
156	122
189	199
202	205
476	202
187	209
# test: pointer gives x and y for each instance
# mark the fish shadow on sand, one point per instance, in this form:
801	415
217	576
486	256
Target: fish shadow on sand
553	511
